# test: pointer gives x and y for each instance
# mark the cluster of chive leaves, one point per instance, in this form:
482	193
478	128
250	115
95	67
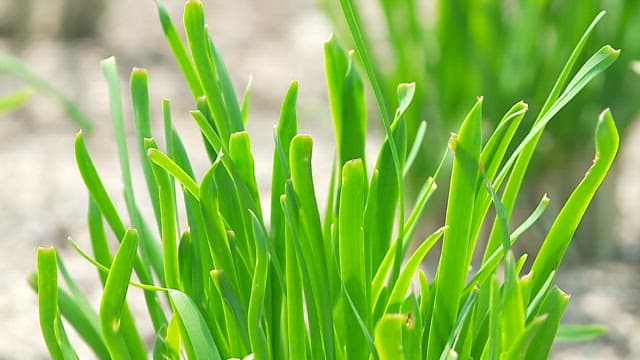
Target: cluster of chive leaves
225	284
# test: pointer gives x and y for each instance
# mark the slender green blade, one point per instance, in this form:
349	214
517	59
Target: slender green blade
168	226
411	267
297	333
15	99
50	322
256	323
149	247
142	121
122	338
553	307
352	254
219	246
283	133
75	307
579	333
519	346
382	199
96	188
199	44
179	51
388	336
246	97
167	164
335	65
227	91
452	268
98	237
567	221
316	250
351	125
313	304
18	69
242	157
302	180
198	341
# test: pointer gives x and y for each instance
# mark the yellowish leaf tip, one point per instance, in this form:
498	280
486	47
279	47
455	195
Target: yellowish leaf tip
612	50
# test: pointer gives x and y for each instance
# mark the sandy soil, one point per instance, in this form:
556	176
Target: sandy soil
42	198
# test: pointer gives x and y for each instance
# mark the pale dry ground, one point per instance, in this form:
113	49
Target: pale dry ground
42	198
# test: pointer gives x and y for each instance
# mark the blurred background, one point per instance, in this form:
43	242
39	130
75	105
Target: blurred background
504	50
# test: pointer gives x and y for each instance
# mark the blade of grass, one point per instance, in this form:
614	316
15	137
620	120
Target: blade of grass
167	164
122	338
16	68
148	244
219	246
313	305
489	266
427	190
256	323
107	209
297	334
169	233
319	251
452	268
491	158
283	133
388	336
579	333
198	41
352	18
142	121
415	148
553	306
198	341
237	330
411	267
244	105
50	322
363	327
81	317
99	243
228	92
242	157
405	94
382	201
520	346
75	307
179	51
465	311
351	256
15	99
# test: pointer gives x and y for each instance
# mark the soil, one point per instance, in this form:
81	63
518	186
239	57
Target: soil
43	201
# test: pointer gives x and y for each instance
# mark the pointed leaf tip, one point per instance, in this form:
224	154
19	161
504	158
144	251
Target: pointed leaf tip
613	51
607	137
405	95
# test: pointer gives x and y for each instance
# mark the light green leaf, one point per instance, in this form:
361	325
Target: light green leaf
579	333
197	338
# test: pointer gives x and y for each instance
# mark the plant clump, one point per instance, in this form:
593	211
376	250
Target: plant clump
346	285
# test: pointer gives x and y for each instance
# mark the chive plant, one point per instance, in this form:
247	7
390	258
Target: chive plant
505	50
501	50
15	99
347	285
